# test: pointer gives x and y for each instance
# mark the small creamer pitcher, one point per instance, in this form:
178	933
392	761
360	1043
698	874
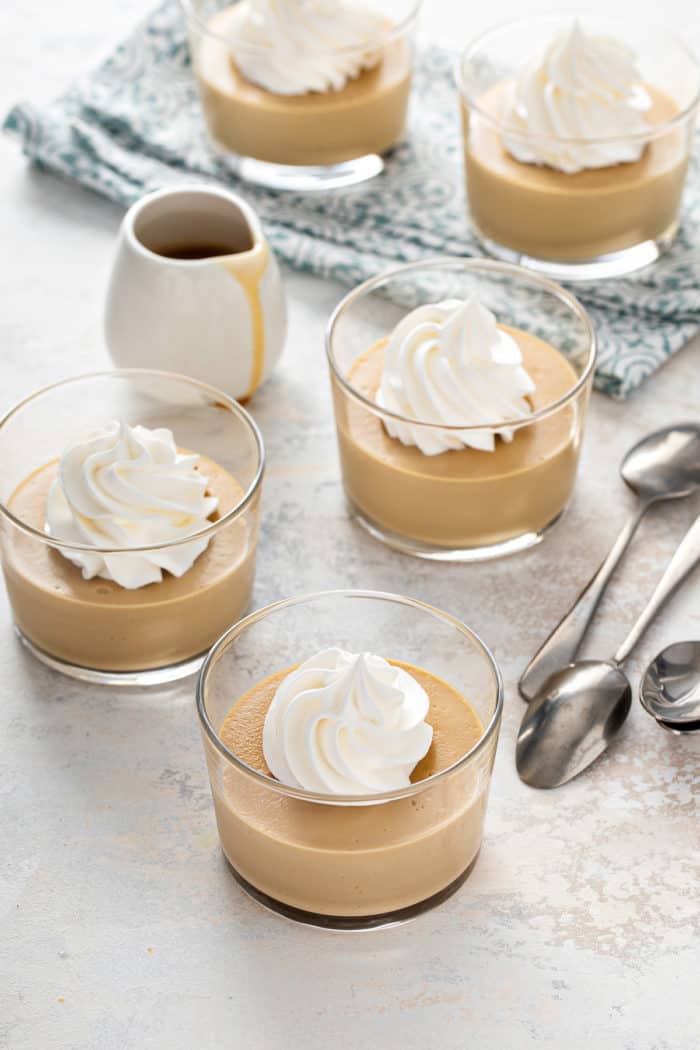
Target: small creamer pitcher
196	289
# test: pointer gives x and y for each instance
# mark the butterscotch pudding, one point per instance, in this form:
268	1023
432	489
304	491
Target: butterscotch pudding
459	430
350	789
577	136
153	617
127	555
295	84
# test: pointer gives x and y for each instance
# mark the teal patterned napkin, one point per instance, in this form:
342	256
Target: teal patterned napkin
134	124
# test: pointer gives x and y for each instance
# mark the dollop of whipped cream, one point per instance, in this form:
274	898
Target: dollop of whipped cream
346	724
449	363
585	88
291	47
125	486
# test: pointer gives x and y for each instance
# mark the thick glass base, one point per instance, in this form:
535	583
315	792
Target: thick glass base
432	552
615	264
352	923
301	178
153	676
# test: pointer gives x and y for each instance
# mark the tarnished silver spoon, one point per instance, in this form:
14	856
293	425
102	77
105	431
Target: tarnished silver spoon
670	687
663	465
581	708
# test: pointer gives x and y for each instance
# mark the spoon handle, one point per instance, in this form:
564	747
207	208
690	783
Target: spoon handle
563	643
686	558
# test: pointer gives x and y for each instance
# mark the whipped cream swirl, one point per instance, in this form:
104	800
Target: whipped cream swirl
587	89
128	486
449	363
291	47
346	724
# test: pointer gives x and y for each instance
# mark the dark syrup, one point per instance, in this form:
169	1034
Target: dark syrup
195	251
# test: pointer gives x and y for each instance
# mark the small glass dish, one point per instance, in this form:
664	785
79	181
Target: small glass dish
96	630
312	141
465	505
349	862
593	223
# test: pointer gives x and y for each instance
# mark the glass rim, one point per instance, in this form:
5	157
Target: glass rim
322	797
636	137
125	373
395	31
473	265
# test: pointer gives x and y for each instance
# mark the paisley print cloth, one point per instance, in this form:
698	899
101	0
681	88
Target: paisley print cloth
134	124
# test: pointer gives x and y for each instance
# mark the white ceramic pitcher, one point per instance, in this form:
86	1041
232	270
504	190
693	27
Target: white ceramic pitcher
218	314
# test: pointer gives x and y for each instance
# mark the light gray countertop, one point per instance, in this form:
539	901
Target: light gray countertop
121	927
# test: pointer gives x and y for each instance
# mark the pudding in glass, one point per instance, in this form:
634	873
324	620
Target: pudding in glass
349	790
458	434
127	556
578	170
399	857
331	90
97	622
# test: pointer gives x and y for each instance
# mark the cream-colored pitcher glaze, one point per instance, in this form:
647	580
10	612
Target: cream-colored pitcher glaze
220	317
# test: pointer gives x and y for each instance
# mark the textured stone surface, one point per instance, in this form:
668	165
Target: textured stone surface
121	928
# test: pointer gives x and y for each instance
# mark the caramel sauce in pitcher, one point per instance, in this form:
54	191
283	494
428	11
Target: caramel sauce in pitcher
233	247
195	251
248	272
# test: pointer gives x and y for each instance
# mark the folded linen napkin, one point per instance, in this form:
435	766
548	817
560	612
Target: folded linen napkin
134	124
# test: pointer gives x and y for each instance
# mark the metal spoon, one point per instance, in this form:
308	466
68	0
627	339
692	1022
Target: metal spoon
670	687
678	728
664	465
581	707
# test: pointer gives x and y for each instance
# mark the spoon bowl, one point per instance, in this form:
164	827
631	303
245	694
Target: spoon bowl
665	464
679	728
576	715
670	687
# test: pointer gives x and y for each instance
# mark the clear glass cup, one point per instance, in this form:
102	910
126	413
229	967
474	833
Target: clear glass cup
313	141
593	223
466	505
344	861
96	630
